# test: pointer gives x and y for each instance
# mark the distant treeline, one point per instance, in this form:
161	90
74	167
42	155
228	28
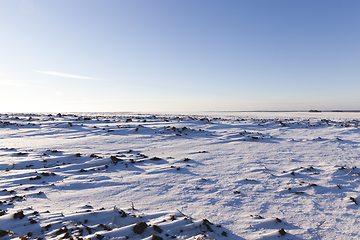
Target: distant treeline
312	110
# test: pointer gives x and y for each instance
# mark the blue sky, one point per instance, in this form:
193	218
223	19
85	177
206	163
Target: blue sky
114	55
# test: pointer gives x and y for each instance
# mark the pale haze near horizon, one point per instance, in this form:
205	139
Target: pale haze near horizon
63	56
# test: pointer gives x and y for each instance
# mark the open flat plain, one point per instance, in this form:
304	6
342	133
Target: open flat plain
280	175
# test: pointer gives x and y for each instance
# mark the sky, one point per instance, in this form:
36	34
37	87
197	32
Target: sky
176	56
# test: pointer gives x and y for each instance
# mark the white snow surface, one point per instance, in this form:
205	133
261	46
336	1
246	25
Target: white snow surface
186	176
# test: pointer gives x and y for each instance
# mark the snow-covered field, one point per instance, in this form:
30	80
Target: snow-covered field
195	176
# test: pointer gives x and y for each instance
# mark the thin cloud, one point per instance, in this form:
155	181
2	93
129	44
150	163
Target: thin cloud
57	74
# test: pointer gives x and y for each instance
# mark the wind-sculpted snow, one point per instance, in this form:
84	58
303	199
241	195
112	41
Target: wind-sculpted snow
90	176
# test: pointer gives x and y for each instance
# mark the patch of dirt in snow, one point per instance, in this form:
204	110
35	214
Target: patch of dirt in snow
35	175
106	224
